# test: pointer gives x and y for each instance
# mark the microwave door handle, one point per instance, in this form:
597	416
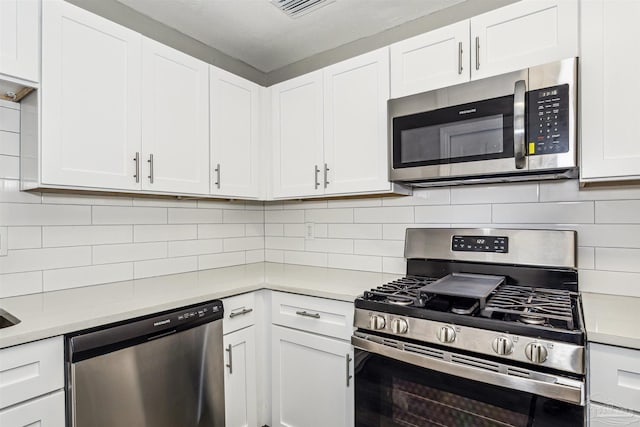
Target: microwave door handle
519	149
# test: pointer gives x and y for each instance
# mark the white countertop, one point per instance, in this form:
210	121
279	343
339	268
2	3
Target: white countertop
54	313
612	319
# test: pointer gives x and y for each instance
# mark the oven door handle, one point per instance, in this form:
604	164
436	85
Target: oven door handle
519	149
551	386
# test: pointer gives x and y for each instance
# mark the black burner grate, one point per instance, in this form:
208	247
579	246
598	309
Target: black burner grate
403	291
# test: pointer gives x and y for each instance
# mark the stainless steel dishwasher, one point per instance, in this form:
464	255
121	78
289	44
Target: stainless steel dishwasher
162	370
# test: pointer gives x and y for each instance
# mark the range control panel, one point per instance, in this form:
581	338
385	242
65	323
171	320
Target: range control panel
548	120
497	244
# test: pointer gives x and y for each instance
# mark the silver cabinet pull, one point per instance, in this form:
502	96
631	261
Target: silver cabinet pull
519	151
307	314
217	171
349	376
326	175
477	53
459	57
230	364
150	161
137	160
240	313
317	171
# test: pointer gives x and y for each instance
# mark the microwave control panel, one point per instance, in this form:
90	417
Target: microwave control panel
548	120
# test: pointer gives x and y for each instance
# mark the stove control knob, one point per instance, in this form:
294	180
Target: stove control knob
536	352
399	326
446	334
377	322
502	346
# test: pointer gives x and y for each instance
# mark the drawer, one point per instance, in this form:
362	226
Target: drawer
318	315
30	370
47	411
614	376
605	416
239	312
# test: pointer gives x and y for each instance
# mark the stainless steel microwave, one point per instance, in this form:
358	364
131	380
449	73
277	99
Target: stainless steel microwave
512	127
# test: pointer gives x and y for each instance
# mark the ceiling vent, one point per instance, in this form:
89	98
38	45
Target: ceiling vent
297	8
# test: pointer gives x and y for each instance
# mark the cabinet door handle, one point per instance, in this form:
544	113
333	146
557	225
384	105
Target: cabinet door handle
477	53
240	313
150	161
349	376
326	175
459	57
217	171
230	364
137	160
317	171
307	314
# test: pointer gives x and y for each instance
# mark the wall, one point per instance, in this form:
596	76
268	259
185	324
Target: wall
368	234
58	241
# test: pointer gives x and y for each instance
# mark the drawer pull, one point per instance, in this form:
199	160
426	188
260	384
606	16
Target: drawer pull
306	314
240	313
349	376
229	350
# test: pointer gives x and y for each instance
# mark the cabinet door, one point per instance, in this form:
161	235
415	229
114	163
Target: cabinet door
523	34
297	136
175	120
609	90
355	124
19	31
241	408
235	135
90	99
311	384
47	411
430	61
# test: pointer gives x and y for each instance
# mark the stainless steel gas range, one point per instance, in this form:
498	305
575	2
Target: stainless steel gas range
485	330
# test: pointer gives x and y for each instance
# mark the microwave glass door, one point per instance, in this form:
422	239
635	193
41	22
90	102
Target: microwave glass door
464	133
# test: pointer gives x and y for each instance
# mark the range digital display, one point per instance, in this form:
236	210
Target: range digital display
496	244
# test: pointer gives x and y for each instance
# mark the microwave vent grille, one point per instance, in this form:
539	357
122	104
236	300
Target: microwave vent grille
297	8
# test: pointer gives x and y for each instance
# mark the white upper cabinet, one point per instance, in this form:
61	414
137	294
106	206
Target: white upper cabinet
297	133
609	90
91	71
235	135
175	120
523	34
430	61
355	124
19	38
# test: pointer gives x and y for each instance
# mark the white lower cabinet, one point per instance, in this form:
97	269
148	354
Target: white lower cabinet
605	416
46	411
240	385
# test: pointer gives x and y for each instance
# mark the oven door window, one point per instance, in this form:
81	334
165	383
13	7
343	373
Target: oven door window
390	393
464	133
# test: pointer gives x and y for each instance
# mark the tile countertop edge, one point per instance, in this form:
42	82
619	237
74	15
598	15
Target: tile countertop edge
60	312
612	319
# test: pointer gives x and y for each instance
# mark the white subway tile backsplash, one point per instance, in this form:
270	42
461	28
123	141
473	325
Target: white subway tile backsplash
609	282
569	190
615	212
224	259
44	259
194	247
274	255
25	237
110	254
421	196
388	248
32	214
161	233
211	231
447	214
128	215
329	215
287	243
398	231
65	278
10	193
9	143
294	230
617	259
160	267
499	193
608	235
544	213
194	216
78	235
254	230
284	216
9	119
384	215
394	265
354	203
165	203
254	256
221	204
244	217
305	204
88	200
316	259
344	246
355	231
9	167
253	205
321	230
274	229
586	258
243	244
20	284
355	262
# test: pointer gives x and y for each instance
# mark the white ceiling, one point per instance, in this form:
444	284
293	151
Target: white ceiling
256	32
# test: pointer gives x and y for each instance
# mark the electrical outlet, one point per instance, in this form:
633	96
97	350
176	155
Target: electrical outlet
4	240
309	231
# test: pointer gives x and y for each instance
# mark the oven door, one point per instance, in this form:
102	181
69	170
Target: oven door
402	384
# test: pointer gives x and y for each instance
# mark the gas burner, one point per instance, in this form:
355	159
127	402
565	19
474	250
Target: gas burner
403	291
532	320
464	306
